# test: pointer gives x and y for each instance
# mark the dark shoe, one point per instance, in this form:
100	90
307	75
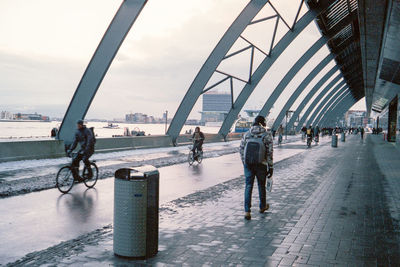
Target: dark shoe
79	179
264	209
247	215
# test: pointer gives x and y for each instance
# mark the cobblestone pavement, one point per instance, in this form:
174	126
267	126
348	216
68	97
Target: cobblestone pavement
329	206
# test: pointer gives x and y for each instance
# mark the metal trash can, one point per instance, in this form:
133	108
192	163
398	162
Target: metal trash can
334	140
343	137
136	201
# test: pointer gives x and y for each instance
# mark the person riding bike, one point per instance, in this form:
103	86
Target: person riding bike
309	134
198	139
303	132
85	138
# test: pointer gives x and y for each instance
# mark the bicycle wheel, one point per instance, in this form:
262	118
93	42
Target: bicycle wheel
90	181
64	179
190	157
200	157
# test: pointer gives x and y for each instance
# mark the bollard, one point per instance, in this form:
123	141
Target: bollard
334	140
343	137
136	201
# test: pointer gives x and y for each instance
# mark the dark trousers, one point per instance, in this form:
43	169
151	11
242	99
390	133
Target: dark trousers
197	146
85	158
251	172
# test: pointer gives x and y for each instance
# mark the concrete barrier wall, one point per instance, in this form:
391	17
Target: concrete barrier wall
25	150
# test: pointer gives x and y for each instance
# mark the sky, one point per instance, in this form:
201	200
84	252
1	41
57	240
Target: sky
46	45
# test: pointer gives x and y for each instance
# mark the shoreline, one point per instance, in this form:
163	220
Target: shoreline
24	121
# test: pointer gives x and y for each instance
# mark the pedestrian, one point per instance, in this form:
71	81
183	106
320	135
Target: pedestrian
256	152
362	132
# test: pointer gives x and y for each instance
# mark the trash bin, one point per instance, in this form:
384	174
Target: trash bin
136	201
343	137
334	140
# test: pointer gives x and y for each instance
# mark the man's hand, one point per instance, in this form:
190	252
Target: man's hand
270	172
69	153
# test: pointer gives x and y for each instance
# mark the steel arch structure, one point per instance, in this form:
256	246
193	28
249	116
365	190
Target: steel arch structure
319	97
348	100
98	66
332	114
290	75
262	70
329	102
299	90
341	110
331	107
310	94
220	53
321	105
334	104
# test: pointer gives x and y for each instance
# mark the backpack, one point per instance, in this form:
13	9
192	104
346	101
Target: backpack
255	150
94	136
309	131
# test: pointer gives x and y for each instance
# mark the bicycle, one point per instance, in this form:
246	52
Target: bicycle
65	179
192	157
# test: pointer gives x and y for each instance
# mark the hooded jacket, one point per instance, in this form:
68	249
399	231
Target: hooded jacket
267	139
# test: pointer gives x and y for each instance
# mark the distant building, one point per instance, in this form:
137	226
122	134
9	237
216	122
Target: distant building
5	115
356	118
31	117
215	106
142	118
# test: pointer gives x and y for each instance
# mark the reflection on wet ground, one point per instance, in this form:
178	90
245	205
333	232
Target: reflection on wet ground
39	220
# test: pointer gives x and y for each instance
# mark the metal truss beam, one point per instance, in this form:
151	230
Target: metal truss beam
318	98
218	54
301	88
328	112
211	64
337	95
262	70
99	65
290	75
322	106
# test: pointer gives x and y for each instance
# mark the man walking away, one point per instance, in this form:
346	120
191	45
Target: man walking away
256	151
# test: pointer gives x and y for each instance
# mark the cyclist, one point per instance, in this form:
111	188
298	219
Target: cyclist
198	139
309	134
85	138
303	132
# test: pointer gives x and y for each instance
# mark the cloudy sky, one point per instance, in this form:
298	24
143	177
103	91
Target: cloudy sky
45	46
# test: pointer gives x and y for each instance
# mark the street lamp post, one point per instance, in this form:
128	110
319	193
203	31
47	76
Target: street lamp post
287	115
166	121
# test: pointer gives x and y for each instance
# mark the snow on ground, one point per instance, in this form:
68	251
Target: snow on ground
24	164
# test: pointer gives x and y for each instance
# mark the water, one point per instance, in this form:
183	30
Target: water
12	131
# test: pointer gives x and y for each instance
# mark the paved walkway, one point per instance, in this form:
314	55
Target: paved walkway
329	206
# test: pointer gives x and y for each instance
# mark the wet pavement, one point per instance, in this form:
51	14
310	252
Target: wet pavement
43	219
330	207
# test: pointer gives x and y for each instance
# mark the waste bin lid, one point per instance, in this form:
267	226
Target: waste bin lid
129	174
137	173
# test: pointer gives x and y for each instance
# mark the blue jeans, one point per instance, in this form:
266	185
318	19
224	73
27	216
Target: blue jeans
250	172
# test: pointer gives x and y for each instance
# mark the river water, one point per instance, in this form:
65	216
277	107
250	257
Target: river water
10	131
